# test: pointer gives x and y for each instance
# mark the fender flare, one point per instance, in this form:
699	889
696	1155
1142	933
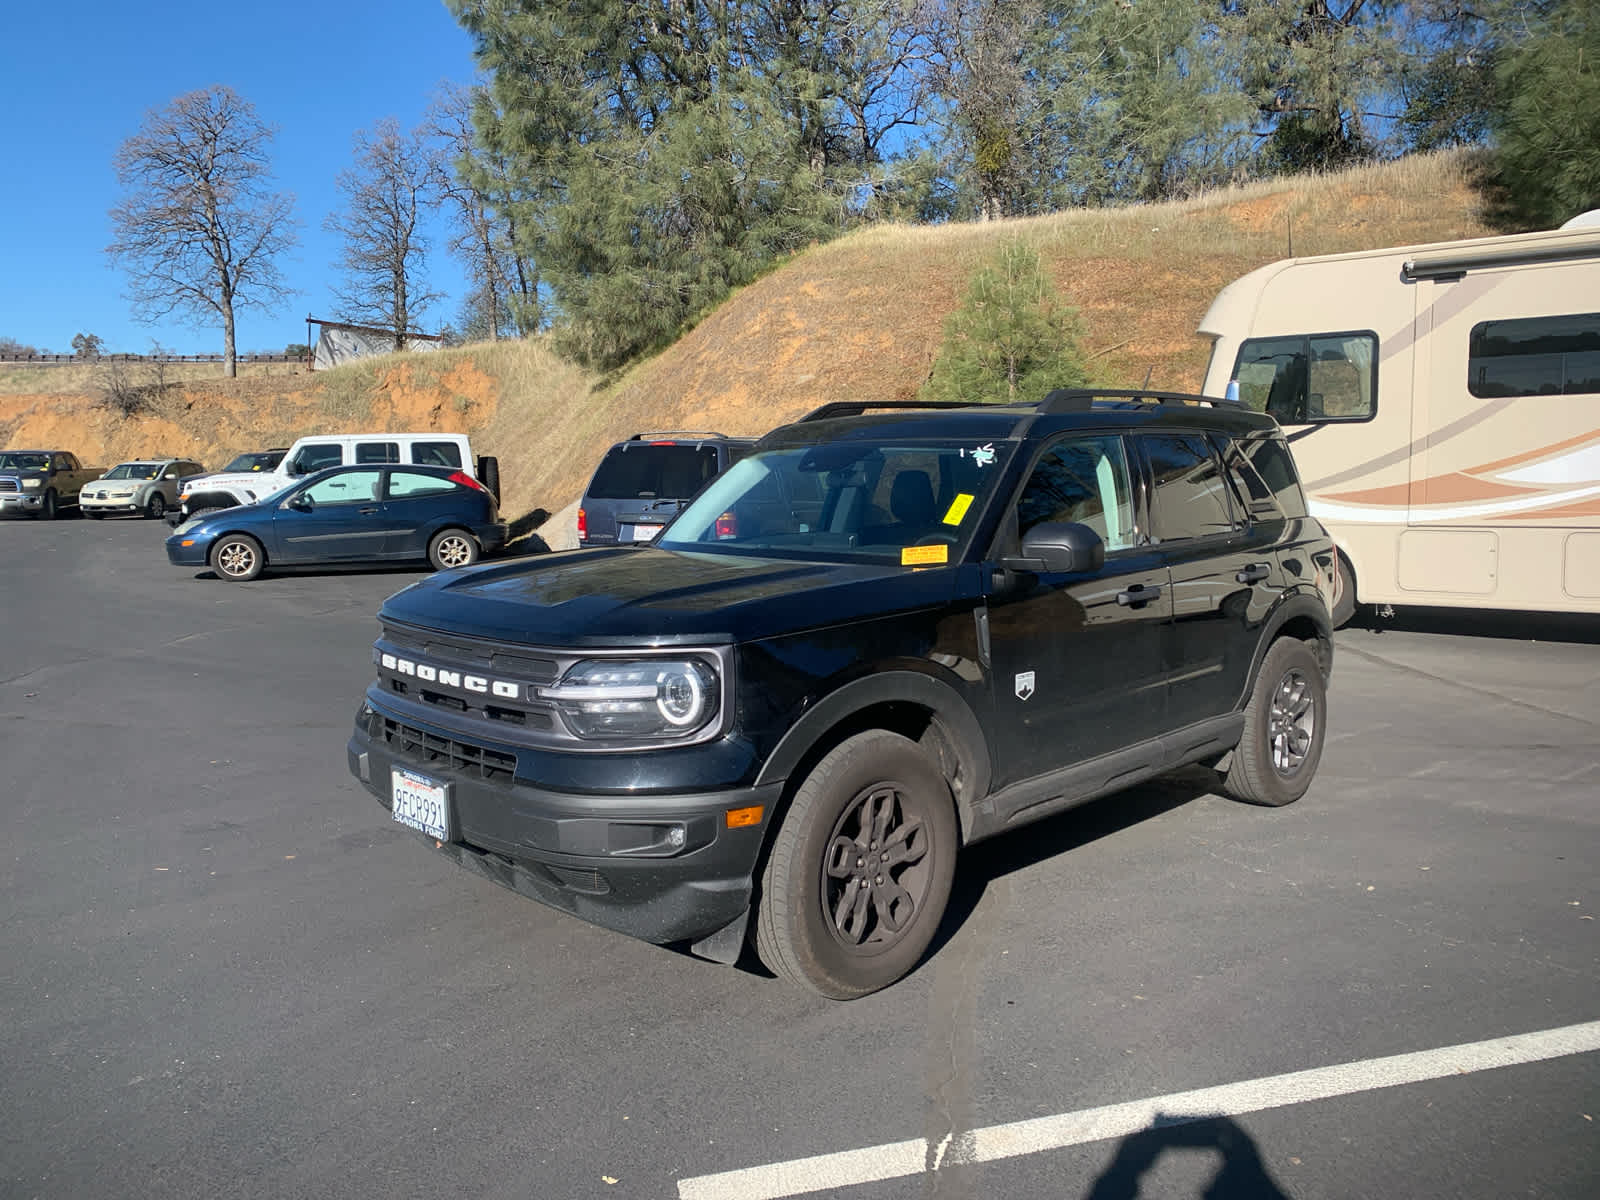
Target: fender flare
1300	605
897	686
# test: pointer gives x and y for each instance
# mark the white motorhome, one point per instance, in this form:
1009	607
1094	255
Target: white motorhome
1443	404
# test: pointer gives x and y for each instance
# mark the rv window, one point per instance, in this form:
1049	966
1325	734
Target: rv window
1307	379
1535	356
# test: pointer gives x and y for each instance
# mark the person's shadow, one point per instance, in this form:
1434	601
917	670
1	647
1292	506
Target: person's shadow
1241	1176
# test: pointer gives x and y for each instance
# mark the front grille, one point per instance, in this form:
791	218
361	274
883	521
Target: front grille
418	746
10	485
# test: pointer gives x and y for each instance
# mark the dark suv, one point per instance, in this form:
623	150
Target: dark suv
642	483
891	631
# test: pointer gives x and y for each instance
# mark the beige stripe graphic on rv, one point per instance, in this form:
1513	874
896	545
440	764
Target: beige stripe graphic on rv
1562	479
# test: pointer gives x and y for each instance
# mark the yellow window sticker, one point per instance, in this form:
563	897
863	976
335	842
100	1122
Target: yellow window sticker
923	556
958	508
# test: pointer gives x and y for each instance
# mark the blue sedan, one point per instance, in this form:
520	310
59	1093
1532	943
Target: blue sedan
348	515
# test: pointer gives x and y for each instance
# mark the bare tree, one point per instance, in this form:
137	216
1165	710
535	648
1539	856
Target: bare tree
387	192
199	229
474	184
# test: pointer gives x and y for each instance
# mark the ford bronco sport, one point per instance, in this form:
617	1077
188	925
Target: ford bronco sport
891	631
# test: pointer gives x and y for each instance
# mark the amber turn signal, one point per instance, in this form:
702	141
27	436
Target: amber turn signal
739	818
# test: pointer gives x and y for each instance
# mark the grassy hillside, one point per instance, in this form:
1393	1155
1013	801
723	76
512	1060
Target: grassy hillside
859	317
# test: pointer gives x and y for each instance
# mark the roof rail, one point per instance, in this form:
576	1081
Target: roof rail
854	408
1071	400
676	433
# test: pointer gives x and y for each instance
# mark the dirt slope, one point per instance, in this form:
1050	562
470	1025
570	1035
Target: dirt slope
859	317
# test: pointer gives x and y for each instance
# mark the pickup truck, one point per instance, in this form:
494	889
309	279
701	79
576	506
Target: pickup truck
40	483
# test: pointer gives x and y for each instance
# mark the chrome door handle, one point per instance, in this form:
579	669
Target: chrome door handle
1138	595
1254	573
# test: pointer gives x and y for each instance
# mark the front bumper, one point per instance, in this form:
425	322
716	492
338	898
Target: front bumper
119	505
197	555
17	502
609	859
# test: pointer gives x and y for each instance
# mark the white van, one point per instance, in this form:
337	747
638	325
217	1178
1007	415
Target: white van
320	451
1443	405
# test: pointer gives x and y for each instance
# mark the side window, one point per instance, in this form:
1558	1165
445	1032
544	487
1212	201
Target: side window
348	487
1190	499
310	459
1535	356
377	452
1084	480
1271	461
435	454
1309	379
406	484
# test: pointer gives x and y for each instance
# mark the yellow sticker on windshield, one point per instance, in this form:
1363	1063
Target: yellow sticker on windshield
923	556
958	508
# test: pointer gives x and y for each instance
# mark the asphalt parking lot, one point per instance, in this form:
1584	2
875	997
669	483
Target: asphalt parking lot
229	974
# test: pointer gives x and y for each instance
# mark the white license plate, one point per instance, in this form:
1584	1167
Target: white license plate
421	803
643	533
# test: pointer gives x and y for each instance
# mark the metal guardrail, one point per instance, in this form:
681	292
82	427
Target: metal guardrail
74	360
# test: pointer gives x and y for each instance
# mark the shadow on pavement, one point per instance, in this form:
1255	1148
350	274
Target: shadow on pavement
1241	1176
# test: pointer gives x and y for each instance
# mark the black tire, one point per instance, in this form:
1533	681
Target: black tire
489	474
156	507
1284	725
451	548
238	558
1344	593
203	512
49	506
806	932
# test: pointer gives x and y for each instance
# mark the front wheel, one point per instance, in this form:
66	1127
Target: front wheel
156	507
860	870
49	506
237	558
1344	593
1284	725
452	548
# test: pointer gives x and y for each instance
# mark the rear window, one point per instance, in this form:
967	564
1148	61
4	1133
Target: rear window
436	454
377	452
1269	461
640	471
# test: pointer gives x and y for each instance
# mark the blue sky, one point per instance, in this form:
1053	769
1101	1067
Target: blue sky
78	79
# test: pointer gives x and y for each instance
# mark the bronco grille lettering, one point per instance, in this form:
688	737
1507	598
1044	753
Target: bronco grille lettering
503	689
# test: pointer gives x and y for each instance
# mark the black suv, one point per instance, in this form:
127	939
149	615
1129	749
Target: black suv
891	631
642	483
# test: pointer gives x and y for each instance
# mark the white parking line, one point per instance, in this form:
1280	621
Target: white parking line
895	1160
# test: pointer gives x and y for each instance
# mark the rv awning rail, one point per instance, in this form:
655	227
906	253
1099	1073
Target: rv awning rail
1556	247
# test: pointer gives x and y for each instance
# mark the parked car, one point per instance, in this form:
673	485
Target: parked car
880	638
148	486
641	483
251	462
40	483
320	451
348	515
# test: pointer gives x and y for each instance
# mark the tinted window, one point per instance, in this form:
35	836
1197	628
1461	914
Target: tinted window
315	458
413	483
348	487
377	452
1310	378
1535	356
1083	480
1190	500
1271	461
638	471
436	454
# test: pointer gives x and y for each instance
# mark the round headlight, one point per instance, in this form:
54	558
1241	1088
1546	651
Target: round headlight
681	695
636	698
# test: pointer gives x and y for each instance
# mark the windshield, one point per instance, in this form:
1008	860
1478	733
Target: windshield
263	461
133	471
913	503
24	462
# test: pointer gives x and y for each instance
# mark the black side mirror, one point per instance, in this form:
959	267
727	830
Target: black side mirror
1059	548
301	503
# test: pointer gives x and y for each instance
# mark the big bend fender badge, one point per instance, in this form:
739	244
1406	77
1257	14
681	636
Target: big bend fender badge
1024	685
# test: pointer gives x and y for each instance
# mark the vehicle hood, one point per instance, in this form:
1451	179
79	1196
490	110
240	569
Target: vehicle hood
653	596
257	483
114	484
238	518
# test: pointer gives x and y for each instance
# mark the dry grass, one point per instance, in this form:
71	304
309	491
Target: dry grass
861	317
